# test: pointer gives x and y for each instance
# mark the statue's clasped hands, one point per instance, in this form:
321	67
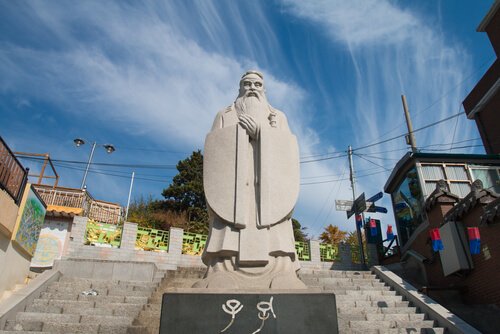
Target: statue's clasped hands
250	125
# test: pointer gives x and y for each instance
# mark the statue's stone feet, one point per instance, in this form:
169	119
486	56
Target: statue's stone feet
287	281
218	280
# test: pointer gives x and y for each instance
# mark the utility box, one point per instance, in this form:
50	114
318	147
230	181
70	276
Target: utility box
456	255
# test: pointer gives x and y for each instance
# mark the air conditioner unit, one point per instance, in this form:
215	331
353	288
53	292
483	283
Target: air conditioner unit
456	255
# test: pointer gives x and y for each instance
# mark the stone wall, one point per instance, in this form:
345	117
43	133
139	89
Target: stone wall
174	257
11	256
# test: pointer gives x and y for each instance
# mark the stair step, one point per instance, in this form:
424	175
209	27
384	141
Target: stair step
43	317
336	273
349	302
29	326
65	328
107	319
381	317
375	309
381	298
395	317
122	329
413	330
22	332
387	324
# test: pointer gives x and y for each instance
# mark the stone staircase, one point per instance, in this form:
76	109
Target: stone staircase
367	305
149	317
76	305
364	305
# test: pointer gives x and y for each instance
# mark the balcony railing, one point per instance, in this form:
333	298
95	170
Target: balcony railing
105	212
13	176
68	197
99	211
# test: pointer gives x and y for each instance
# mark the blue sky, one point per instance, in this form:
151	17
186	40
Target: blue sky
149	78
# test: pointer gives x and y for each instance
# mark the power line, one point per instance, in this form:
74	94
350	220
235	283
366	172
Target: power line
454	148
150	166
404	134
96	171
374	163
321	159
342	179
418	113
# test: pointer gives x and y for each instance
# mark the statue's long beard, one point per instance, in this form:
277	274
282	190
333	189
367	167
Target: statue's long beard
258	108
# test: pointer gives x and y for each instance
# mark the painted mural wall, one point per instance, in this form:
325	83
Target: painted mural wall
30	223
51	243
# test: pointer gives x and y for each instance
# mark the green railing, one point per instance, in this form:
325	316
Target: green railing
329	252
150	239
103	234
193	244
303	250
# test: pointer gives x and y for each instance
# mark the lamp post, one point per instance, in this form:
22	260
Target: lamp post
79	142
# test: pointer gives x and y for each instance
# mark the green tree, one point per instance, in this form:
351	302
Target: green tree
352	240
186	194
299	231
333	235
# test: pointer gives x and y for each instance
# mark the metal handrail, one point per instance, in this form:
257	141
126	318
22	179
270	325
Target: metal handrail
13	176
389	248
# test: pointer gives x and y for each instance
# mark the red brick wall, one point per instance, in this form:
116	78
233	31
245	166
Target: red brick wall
423	246
483	282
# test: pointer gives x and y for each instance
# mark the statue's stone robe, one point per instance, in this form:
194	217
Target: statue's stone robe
251	187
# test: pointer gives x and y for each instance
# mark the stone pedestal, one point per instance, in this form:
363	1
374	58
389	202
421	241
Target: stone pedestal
262	311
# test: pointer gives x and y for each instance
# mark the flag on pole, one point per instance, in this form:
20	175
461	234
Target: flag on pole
373	227
359	221
437	243
390	234
474	240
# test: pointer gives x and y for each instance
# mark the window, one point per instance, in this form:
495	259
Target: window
490	176
407	201
455	176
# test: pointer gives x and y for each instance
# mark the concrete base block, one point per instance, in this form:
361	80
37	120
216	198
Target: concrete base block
266	311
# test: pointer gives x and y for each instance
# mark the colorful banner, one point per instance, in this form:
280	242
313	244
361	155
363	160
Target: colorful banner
30	224
474	240
390	234
359	221
50	244
437	243
373	227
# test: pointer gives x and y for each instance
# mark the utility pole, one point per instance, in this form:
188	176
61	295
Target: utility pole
353	186
129	194
410	138
88	165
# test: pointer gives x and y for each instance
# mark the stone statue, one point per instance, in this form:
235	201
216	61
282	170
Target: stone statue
251	180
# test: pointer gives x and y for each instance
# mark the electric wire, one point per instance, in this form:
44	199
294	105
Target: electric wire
329	196
374	163
418	113
404	134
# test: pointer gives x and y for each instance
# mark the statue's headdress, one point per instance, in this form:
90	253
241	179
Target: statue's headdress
259	74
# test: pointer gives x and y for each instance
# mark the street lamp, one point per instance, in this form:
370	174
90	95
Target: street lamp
79	142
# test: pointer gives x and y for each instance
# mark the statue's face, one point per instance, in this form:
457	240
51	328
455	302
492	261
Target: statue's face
252	85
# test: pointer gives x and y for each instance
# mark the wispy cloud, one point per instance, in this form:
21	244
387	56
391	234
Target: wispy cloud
137	68
391	51
159	72
144	71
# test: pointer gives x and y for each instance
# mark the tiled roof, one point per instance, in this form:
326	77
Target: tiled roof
478	195
491	211
440	193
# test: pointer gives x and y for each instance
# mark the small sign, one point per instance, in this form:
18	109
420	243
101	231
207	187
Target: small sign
343	205
375	197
